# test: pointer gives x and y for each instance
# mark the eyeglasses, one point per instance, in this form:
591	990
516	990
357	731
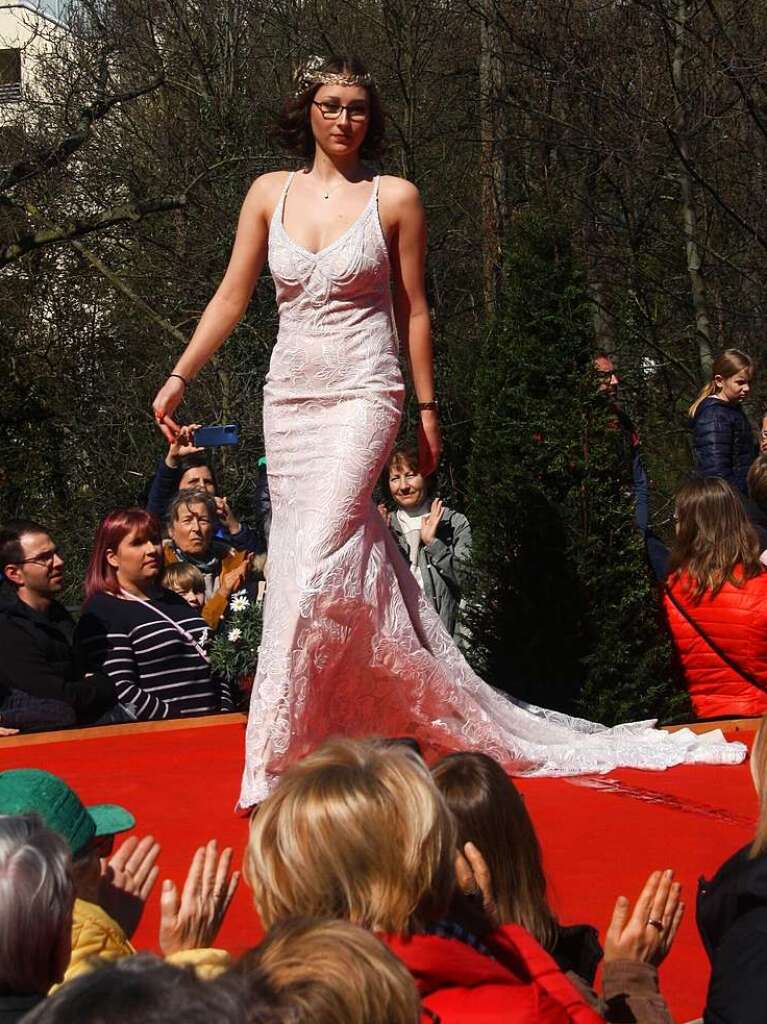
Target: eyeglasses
44	558
332	111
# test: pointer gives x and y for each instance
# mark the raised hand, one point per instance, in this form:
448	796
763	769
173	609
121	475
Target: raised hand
647	933
182	445
384	513
228	519
430	522
473	877
193	921
166	401
127	878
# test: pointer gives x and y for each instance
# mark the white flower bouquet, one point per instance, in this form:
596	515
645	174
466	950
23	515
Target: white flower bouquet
234	650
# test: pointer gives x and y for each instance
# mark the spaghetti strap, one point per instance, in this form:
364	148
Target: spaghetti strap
278	209
376	184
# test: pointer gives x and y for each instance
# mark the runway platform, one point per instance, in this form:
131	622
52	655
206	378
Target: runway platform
600	835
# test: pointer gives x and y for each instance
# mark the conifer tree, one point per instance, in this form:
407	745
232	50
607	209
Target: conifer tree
562	611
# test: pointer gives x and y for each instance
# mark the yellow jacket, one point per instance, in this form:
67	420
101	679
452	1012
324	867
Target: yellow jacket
97	936
214	608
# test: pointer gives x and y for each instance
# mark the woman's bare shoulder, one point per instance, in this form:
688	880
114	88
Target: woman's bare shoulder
399	190
265	191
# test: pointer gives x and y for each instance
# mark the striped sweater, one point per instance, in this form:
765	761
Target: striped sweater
157	672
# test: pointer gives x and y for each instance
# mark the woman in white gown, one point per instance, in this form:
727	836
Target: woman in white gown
350	646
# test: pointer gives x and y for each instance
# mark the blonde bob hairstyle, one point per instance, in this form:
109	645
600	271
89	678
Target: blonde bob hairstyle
334	972
358	831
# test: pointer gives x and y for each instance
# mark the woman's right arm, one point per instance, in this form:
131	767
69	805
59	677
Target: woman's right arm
106	647
231	299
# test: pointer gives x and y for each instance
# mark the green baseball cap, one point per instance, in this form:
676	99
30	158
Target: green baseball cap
33	791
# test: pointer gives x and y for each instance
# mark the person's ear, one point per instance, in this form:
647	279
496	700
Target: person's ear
112	559
13	574
718	380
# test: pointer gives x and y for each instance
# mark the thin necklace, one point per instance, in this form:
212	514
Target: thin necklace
329	192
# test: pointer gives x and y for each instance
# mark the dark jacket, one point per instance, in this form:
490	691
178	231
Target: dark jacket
443	564
42	684
732	920
165	484
723	442
15	1008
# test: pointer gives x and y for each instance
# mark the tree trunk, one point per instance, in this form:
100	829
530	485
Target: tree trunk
493	160
694	260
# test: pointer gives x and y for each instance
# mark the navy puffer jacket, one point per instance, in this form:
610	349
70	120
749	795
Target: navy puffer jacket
723	442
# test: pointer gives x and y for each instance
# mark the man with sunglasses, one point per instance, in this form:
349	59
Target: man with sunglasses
42	686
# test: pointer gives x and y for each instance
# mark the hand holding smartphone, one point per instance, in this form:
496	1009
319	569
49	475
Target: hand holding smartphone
216	436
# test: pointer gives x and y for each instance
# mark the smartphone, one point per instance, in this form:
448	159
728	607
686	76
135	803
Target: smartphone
216	435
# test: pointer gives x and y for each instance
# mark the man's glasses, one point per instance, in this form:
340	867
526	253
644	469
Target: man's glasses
332	111
45	558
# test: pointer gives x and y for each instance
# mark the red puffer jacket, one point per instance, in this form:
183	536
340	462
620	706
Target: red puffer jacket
520	982
736	620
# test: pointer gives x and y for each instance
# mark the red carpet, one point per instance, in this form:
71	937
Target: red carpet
600	837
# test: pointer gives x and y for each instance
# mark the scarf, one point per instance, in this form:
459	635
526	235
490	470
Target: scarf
209	567
410	524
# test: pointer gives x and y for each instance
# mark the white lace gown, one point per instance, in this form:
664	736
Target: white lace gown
350	646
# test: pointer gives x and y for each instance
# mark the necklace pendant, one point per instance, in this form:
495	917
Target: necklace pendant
326	195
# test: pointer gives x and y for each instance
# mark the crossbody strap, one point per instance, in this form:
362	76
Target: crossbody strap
179	629
714	646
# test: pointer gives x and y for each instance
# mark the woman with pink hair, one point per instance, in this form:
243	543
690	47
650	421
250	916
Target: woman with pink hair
149	640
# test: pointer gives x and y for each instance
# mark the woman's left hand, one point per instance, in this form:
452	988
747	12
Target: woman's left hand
430	522
429	443
166	401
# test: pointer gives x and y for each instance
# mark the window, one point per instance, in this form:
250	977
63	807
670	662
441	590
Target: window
10	76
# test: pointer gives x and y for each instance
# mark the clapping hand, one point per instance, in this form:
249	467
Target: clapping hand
235	578
384	513
430	522
647	933
193	921
127	878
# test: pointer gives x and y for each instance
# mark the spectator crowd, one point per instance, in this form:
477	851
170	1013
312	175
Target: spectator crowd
390	892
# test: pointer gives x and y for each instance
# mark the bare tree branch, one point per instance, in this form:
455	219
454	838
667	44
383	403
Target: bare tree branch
78	228
57	155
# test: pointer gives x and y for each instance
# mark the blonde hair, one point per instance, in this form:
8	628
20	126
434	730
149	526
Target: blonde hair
726	364
357	831
183	576
758	765
334	972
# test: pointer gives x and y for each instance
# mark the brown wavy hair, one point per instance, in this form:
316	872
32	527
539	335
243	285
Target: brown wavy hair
490	813
293	130
715	542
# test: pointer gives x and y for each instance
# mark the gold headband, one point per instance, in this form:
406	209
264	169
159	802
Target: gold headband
310	74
